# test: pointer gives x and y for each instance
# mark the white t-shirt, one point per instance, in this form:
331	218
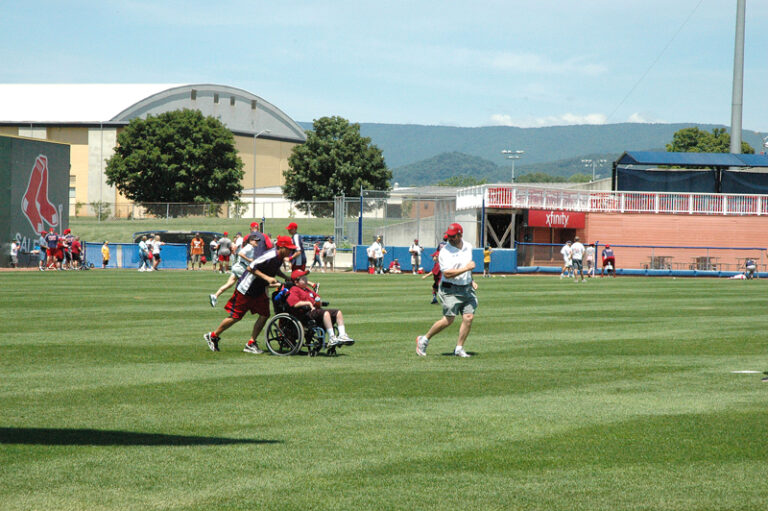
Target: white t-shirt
590	253
156	247
415	249
566	251
329	249
247	251
378	250
14	249
577	251
453	258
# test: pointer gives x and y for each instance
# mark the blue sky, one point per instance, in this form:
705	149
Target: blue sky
519	62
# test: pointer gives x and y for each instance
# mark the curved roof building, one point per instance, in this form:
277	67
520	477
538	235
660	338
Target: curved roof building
88	117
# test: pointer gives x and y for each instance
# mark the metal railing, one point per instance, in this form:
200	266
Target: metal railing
524	197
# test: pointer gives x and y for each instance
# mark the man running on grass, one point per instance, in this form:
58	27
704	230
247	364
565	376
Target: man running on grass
251	294
457	291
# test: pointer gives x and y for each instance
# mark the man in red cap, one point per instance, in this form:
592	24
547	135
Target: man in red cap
251	294
457	291
302	294
298	259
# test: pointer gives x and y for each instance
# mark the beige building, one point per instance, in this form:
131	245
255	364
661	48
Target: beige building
89	118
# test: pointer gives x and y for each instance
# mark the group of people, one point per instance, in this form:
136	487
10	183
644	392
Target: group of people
56	251
324	255
258	262
579	260
149	253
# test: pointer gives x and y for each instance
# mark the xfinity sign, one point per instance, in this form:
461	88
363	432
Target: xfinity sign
556	219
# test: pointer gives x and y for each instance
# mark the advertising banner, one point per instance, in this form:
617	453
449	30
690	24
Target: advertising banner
34	179
556	219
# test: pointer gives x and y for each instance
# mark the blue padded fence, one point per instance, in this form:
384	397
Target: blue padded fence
173	256
502	260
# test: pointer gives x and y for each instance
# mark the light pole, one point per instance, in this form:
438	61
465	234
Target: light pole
594	164
513	155
253	191
765	145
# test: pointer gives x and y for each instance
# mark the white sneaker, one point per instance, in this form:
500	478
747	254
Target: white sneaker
459	352
346	340
253	348
213	300
421	346
333	341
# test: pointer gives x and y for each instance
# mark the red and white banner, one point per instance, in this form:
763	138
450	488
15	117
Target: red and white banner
556	219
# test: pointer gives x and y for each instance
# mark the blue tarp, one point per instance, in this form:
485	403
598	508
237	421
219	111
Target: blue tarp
502	260
173	256
682	181
692	159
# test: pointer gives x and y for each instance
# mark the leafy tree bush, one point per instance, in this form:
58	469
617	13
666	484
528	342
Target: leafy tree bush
178	156
334	160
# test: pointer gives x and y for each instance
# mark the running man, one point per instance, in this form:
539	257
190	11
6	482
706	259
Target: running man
457	291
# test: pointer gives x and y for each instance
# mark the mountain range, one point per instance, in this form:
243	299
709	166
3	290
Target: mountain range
409	149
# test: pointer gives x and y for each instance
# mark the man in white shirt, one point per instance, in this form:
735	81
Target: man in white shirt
415	251
457	291
577	254
590	260
14	253
329	254
378	254
567	263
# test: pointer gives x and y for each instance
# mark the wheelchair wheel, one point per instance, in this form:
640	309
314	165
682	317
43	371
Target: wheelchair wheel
284	335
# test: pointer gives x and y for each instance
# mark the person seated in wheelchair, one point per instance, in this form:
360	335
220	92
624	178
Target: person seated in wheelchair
303	298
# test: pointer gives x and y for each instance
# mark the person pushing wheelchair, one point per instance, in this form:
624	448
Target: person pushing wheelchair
302	294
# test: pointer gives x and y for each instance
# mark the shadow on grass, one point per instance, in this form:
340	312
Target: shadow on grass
57	436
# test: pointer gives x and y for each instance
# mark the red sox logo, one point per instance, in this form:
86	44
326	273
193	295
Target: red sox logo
35	204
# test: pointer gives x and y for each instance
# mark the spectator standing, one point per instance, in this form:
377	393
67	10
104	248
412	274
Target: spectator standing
224	251
156	244
577	256
415	250
457	291
609	261
77	253
214	248
68	238
51	242
144	264
590	260
14	253
298	259
378	252
329	254
316	261
196	250
371	252
487	261
567	263
43	252
105	254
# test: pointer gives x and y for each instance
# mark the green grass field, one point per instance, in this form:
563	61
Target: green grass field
616	394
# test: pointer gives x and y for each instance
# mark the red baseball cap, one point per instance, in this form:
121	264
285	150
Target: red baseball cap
285	241
292	226
254	226
454	229
67	231
297	274
607	246
50	230
225	233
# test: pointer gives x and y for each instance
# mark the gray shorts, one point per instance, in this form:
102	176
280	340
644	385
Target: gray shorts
457	300
238	270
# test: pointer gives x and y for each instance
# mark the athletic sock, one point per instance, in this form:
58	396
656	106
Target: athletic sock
342	330
330	332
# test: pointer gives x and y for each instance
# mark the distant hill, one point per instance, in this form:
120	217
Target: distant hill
439	168
404	144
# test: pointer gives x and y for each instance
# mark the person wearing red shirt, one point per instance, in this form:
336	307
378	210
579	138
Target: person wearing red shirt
77	250
301	295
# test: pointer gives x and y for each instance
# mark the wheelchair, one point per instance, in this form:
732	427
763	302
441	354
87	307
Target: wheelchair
291	331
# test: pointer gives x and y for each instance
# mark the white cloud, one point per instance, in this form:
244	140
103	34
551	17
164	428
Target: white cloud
552	120
642	118
531	63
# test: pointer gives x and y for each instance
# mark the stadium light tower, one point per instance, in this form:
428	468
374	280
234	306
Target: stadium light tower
513	155
253	192
765	145
593	164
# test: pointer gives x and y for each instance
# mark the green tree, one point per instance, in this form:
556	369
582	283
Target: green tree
335	159
694	140
580	178
462	181
178	156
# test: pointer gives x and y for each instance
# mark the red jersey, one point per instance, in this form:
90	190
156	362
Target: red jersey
297	294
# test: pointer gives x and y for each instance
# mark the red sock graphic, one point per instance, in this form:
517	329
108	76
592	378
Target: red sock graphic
29	202
47	209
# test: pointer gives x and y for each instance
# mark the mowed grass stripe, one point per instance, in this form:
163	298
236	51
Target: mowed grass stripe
564	391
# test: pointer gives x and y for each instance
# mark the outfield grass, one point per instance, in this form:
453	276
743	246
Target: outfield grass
616	394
